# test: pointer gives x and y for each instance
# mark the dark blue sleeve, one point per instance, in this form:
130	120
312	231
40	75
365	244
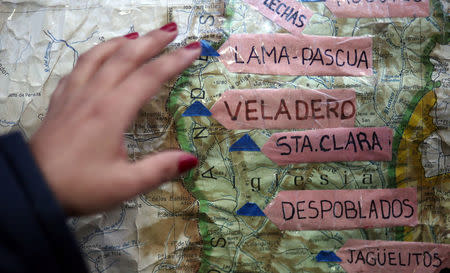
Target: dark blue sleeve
33	232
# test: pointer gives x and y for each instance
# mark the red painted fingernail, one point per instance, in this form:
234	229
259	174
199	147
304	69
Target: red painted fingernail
172	26
132	36
186	163
193	45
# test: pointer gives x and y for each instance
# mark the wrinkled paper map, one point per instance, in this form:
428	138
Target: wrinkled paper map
191	225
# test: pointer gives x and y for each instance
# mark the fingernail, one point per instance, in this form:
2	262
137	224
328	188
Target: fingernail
132	36
172	26
186	163
193	45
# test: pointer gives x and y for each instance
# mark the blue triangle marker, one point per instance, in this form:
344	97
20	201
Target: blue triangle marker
250	209
245	143
207	49
327	256
196	109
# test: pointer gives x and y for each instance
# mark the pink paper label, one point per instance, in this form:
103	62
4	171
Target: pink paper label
285	54
289	14
391	256
285	108
343	209
328	145
378	8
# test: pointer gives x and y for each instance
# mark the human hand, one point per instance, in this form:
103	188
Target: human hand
79	146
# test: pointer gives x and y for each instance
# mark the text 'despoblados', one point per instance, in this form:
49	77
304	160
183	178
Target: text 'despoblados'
343	209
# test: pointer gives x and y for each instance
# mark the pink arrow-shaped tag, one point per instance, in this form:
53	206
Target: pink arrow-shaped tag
390	256
343	209
291	15
377	8
329	145
286	54
285	108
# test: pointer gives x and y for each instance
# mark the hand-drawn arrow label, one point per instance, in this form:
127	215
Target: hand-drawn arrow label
285	108
378	8
289	14
391	256
328	145
286	54
343	209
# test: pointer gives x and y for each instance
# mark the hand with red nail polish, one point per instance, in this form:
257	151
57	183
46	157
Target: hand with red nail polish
79	146
170	27
194	45
132	35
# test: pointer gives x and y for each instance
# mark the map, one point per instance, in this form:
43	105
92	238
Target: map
191	225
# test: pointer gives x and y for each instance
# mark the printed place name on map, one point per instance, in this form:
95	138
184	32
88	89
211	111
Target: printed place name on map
285	108
391	256
378	8
291	15
343	209
328	145
285	54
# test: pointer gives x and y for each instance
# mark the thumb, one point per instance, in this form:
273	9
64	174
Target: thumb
156	169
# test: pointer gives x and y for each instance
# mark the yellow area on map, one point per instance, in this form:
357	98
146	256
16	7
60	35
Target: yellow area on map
410	173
